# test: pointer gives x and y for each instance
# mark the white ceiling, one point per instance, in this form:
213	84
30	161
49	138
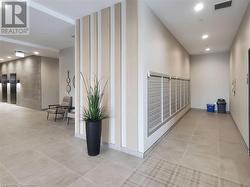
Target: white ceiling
51	26
8	49
188	26
48	31
76	8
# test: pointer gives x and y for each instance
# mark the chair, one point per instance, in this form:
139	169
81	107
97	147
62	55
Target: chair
62	109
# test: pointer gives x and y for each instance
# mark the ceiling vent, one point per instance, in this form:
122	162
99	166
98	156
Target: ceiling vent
224	4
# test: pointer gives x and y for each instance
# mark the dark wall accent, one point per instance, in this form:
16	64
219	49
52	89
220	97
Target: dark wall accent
4	88
28	71
13	88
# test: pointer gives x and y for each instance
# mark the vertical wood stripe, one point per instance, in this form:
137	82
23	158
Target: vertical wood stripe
85	65
105	73
132	75
86	68
117	111
99	20
112	75
94	47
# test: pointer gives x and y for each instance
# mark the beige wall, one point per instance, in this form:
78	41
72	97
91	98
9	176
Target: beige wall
209	79
39	81
49	81
238	77
28	71
160	52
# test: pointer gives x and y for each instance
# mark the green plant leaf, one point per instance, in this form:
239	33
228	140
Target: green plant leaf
94	110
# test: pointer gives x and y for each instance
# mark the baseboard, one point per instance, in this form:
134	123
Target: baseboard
243	141
200	109
115	147
123	149
147	152
80	136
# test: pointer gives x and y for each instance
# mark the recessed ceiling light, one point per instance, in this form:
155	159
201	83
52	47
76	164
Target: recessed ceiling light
207	49
36	53
204	36
9	57
198	7
1	59
19	54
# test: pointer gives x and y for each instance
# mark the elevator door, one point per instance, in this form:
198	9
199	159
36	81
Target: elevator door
13	88
4	88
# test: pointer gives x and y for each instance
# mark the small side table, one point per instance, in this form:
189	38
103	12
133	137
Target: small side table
70	115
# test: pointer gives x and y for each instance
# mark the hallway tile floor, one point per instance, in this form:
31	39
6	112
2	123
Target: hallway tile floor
201	150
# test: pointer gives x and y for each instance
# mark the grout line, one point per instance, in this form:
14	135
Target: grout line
192	135
10	173
60	164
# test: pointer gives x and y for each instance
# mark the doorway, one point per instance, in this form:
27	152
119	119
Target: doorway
13	94
4	88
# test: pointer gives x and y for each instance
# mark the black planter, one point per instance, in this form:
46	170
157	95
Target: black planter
93	133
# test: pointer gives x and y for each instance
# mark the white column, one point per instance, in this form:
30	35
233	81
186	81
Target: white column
77	78
124	39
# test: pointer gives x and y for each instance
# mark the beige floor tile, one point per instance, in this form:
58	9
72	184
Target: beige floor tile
10	156
122	159
179	136
232	150
82	164
28	165
82	182
108	174
174	145
207	134
45	153
209	149
60	151
60	177
6	178
174	156
202	162
228	170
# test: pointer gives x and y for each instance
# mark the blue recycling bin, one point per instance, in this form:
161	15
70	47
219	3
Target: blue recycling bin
211	108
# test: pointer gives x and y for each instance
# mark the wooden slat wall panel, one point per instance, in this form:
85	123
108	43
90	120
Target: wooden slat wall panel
94	46
118	70
131	76
105	71
85	66
103	50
